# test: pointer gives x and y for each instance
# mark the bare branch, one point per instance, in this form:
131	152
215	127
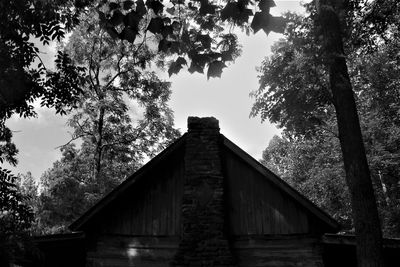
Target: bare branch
70	141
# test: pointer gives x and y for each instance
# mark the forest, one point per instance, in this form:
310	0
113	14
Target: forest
331	83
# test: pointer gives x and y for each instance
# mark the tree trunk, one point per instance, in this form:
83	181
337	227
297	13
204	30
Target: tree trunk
99	145
364	207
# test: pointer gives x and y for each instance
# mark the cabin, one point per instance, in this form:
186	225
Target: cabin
203	201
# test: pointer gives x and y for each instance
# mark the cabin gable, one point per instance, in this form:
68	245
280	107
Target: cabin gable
258	207
261	203
139	223
150	208
204	202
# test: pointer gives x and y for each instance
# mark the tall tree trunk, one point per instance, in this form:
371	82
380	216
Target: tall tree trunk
364	207
99	144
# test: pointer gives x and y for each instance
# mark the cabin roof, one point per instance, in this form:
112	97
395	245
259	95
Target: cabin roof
125	185
89	215
282	185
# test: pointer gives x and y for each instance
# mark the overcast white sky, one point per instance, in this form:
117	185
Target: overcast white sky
226	99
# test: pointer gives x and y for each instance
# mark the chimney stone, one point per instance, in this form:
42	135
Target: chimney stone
204	239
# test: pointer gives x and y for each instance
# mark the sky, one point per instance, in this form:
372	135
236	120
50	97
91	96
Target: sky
226	98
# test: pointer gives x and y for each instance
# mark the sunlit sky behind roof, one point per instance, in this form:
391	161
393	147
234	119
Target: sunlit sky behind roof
226	98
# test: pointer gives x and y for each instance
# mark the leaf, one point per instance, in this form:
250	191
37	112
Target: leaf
215	69
229	11
156	25
175	47
226	56
129	34
164	45
113	5
181	61
278	24
157	6
260	21
171	10
140	8
206	8
166	30
263	20
235	12
128	4
194	67
112	32
176	66
205	40
265	5
102	18
208	24
176	26
117	18
132	19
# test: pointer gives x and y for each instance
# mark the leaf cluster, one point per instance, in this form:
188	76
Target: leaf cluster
194	32
294	85
16	216
20	84
122	118
293	90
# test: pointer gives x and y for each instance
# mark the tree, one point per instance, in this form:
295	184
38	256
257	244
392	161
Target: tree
65	191
21	83
365	213
329	16
315	168
116	75
301	103
193	33
115	139
16	215
193	29
16	218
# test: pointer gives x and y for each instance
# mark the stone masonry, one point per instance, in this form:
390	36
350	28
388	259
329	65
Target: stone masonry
204	241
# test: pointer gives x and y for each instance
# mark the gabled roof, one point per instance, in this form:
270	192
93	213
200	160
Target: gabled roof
128	183
282	185
80	223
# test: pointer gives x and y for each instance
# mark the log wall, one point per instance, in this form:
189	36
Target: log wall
283	251
126	251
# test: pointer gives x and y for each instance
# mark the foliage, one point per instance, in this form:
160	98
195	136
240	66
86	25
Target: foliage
16	217
63	196
314	168
192	32
294	89
20	82
16	214
8	150
115	139
309	156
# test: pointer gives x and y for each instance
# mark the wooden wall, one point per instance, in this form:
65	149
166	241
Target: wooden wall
288	251
152	207
124	251
141	228
256	206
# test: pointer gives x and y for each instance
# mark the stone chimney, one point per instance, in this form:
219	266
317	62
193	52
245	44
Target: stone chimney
204	235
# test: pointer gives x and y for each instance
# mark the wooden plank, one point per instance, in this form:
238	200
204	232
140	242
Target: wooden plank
170	194
278	251
259	212
149	215
328	222
161	158
251	197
